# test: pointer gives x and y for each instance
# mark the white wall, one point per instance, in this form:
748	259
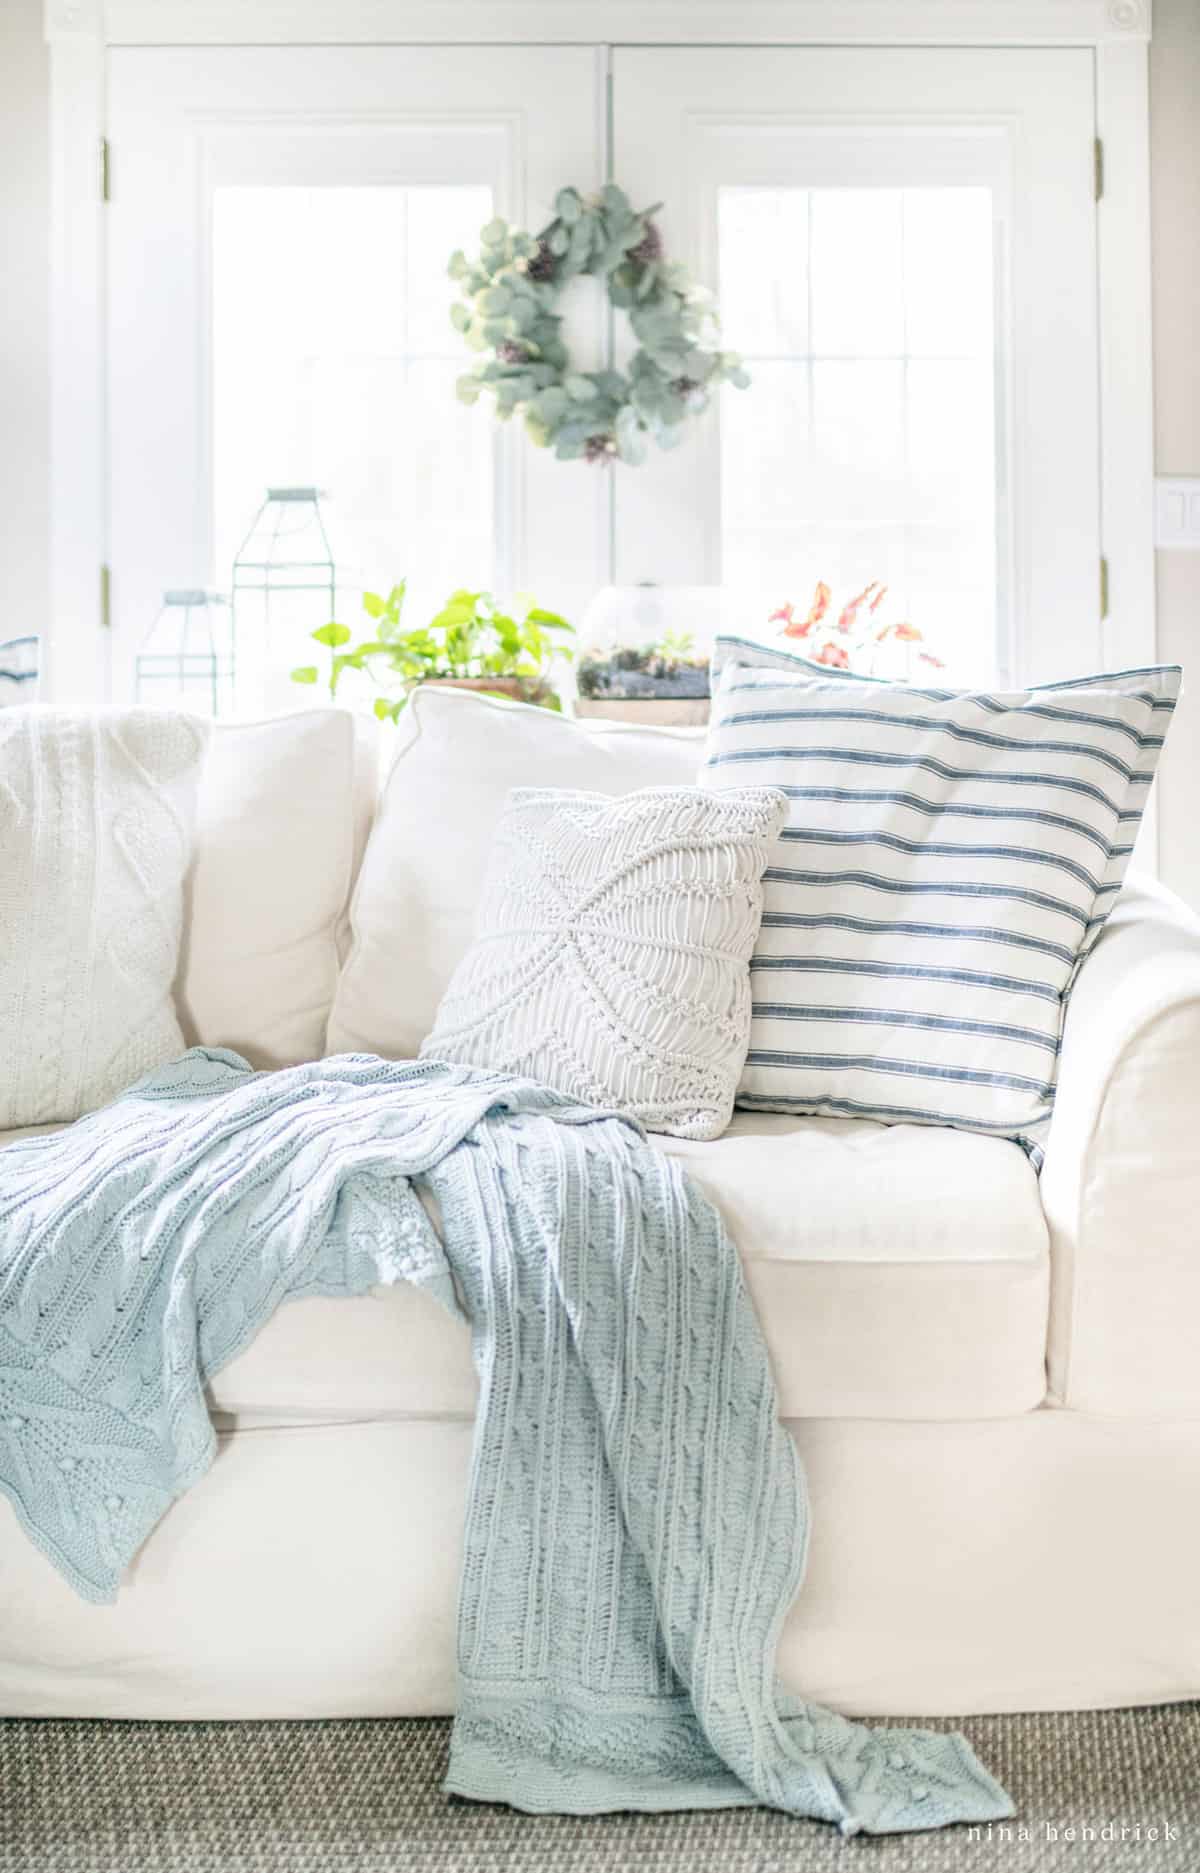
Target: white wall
24	270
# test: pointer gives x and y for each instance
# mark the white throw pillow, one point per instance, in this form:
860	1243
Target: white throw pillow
413	912
612	954
96	829
283	811
948	860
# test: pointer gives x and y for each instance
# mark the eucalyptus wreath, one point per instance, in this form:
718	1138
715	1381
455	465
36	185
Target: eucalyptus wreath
509	309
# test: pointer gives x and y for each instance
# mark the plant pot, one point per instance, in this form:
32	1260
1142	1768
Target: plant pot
649	711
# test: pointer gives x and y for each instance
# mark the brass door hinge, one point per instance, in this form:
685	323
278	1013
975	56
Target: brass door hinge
105	599
1103	588
104	170
1098	167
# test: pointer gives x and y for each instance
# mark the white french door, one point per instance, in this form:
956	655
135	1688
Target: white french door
904	244
278	315
903	241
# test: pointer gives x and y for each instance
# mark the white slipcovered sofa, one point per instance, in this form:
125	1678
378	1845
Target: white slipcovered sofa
994	1380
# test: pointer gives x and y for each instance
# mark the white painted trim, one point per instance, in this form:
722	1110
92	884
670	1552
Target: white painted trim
76	649
74	19
1126	367
1126	370
621	22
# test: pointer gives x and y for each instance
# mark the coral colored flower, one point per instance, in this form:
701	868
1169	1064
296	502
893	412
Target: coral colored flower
816	612
820	604
850	642
850	611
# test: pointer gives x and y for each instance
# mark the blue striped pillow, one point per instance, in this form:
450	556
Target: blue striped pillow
948	859
1160	682
729	647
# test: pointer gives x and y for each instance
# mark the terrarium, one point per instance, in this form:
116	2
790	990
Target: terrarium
186	661
284	588
646	652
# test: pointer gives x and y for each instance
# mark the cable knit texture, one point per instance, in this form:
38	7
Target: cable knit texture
96	815
613	950
637	1519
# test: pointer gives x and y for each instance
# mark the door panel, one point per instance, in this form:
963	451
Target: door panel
904	242
279	230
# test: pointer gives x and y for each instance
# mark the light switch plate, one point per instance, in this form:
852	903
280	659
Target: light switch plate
1177	512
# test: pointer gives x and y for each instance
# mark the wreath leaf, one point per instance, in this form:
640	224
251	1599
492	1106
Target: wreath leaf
508	307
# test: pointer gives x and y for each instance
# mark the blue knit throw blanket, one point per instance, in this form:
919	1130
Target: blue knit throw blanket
637	1519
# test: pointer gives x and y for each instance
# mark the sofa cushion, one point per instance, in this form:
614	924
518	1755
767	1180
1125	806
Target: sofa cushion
413	912
282	817
898	1272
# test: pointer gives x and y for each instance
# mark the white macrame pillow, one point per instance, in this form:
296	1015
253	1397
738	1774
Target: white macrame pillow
612	950
96	812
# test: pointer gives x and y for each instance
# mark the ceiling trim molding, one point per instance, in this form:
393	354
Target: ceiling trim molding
74	19
591	22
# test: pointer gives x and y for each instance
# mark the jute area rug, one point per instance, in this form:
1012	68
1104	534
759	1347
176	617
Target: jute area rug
1105	1789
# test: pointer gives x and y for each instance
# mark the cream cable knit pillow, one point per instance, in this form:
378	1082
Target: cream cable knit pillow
612	951
96	814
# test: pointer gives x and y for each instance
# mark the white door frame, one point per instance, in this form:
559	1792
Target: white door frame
80	31
1019	121
187	120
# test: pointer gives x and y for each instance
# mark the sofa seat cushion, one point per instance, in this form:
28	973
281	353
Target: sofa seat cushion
899	1272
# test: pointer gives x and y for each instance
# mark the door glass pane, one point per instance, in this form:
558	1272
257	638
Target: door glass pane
865	447
333	366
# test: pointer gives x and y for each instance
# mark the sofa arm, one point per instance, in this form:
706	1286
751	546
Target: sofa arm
1121	1180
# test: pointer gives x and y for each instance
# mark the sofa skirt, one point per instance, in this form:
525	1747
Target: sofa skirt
1042	1562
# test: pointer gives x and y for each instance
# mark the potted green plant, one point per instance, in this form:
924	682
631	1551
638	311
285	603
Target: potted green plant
470	644
661	683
